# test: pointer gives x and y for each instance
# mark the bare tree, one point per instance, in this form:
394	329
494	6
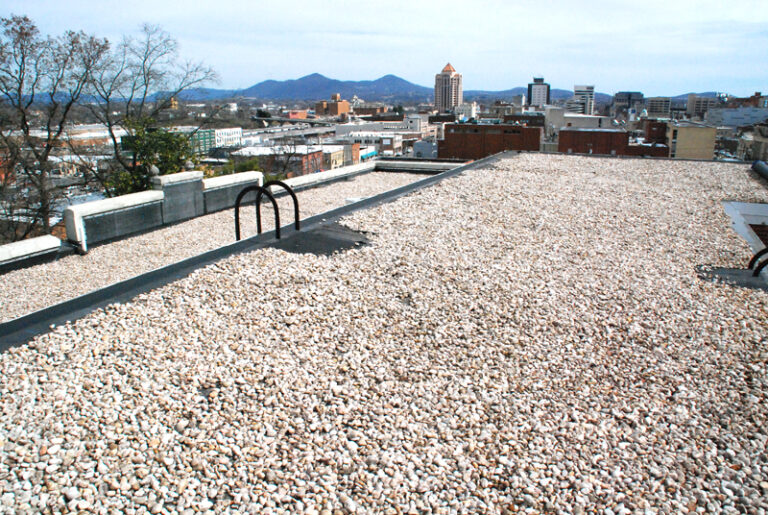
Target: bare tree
16	221
283	160
289	158
138	81
41	80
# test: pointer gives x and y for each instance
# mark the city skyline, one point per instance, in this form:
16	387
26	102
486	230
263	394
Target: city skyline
661	49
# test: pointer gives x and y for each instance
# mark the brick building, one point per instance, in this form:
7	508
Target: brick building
655	132
292	160
296	114
475	141
647	150
529	120
368	110
387	116
610	142
301	162
336	106
592	141
442	118
756	100
351	154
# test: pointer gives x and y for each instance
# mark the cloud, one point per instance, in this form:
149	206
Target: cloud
657	46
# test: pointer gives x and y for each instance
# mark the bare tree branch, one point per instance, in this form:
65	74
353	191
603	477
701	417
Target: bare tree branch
41	80
137	83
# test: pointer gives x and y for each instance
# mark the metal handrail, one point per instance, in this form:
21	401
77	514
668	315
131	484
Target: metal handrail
759	268
260	191
757	256
290	192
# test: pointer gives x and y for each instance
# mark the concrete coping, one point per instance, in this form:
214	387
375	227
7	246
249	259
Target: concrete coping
415	165
304	180
74	215
115	203
28	248
231	180
174	178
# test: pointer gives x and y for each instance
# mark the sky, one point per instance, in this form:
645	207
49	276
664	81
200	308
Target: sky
657	47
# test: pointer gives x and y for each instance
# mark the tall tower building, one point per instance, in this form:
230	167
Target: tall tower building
586	94
448	91
538	92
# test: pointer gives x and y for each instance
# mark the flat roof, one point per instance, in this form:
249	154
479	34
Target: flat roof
591	129
33	288
528	335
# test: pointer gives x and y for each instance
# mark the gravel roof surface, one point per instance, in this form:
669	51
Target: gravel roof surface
26	290
529	336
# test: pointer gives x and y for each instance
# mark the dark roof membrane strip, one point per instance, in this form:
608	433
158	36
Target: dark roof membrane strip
20	330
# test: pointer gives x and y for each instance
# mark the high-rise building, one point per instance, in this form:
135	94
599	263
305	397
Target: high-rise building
698	106
658	107
586	94
538	92
627	100
448	91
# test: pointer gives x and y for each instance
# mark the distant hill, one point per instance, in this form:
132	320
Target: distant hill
316	86
388	88
508	94
684	97
476	95
202	94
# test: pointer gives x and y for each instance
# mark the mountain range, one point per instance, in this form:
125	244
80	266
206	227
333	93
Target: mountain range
388	88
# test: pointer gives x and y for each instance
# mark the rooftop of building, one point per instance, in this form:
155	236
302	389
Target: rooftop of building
689	123
591	129
33	288
569	114
286	149
530	334
449	69
378	134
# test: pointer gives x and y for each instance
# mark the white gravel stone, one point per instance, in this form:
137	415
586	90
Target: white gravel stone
29	289
531	336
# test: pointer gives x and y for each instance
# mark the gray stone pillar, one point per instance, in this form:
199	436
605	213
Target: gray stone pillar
183	195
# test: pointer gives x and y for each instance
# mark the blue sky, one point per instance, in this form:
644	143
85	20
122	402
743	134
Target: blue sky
657	47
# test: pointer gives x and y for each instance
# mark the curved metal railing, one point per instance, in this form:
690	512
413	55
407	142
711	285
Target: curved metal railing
757	256
261	191
290	192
